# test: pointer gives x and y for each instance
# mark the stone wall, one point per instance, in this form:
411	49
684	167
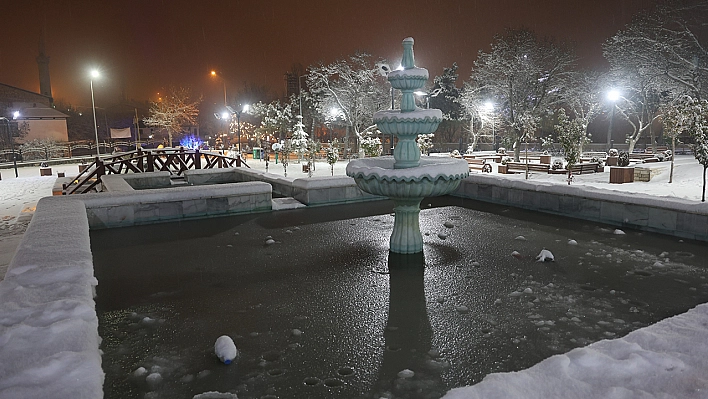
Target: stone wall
671	216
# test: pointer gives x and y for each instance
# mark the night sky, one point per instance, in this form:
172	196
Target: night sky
143	47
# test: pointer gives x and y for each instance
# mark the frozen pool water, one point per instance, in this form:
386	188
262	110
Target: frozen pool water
324	312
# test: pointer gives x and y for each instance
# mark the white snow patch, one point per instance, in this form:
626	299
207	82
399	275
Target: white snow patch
545	256
407	373
618	232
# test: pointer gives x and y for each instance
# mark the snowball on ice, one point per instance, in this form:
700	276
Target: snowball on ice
225	349
572	242
545	256
516	255
520	238
618	232
406	373
215	395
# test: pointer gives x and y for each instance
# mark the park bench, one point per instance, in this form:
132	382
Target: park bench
479	164
513	167
585	167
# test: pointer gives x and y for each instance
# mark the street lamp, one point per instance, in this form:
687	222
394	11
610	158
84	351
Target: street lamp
489	107
214	74
94	75
9	136
613	95
238	121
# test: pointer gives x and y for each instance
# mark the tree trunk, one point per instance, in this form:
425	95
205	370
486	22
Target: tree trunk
704	184
673	151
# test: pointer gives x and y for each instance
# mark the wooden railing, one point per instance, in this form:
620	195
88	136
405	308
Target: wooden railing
175	161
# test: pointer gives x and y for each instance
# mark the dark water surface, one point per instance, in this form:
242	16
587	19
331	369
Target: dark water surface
325	312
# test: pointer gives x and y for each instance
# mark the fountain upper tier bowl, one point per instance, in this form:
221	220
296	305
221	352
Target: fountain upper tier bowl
435	176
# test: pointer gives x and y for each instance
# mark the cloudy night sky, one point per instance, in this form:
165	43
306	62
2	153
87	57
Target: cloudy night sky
142	47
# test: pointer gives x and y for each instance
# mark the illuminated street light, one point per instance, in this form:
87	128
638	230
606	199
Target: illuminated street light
613	95
215	75
232	112
94	74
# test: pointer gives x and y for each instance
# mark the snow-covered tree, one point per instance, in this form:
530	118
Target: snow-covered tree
689	115
276	118
445	96
668	44
571	134
582	97
526	76
354	87
332	155
478	109
299	140
174	111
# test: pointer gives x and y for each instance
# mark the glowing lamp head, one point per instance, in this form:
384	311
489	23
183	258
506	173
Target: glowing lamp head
15	114
489	106
224	115
613	95
95	73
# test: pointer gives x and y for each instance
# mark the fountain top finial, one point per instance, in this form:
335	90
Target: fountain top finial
408	60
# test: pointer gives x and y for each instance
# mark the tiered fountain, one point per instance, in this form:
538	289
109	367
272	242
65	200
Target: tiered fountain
405	177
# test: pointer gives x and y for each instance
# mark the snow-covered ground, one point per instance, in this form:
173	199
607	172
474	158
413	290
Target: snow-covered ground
666	360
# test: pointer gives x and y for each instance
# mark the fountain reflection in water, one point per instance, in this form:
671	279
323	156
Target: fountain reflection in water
405	178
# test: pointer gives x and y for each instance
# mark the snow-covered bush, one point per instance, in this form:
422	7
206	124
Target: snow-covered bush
501	150
505	160
623	158
613	152
600	164
456	153
668	155
371	145
557	164
425	143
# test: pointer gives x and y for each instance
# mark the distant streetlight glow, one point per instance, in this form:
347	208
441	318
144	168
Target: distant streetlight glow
489	106
215	75
94	74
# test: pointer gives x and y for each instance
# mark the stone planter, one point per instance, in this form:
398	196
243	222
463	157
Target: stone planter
621	174
611	161
45	171
503	169
82	167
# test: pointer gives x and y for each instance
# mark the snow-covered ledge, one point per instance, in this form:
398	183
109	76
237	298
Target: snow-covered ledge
48	324
668	359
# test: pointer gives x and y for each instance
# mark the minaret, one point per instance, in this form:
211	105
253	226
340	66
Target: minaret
45	86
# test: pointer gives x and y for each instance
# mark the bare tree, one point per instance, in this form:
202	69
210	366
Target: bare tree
526	75
173	112
353	86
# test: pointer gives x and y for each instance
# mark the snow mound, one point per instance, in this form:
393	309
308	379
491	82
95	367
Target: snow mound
618	232
225	349
545	256
215	395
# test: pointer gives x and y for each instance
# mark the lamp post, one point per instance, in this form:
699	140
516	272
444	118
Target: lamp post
214	74
613	96
9	137
94	74
238	121
489	107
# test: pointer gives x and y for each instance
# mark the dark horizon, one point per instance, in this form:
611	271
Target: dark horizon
144	47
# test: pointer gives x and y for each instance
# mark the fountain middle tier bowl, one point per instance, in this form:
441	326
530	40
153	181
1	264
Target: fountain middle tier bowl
435	176
420	121
408	79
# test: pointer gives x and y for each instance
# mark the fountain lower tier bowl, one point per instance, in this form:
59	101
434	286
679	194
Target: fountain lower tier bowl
435	176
